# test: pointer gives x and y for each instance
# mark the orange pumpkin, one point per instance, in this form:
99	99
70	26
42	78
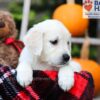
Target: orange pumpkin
94	68
71	16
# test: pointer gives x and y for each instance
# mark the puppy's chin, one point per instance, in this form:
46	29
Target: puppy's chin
64	63
58	65
55	65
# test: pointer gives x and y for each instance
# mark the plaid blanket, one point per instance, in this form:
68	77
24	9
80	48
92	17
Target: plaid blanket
44	86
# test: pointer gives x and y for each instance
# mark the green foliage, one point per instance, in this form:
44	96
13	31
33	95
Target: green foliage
93	52
34	17
16	9
41	16
76	50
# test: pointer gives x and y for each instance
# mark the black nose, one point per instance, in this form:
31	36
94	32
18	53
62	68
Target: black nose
66	57
2	24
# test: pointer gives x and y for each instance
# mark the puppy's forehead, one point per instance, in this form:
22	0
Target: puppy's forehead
55	33
53	29
57	30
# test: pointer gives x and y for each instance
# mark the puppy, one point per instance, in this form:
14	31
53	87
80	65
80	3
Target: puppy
47	47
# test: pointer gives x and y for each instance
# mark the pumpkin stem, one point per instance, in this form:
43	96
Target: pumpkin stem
70	1
85	47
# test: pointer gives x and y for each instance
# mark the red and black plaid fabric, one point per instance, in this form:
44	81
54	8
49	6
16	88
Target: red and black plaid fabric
44	86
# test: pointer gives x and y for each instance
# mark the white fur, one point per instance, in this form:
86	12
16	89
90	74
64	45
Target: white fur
66	78
40	54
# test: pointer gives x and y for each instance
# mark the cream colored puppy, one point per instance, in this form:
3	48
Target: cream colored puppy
47	47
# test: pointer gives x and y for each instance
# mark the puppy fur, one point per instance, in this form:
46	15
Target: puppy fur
47	47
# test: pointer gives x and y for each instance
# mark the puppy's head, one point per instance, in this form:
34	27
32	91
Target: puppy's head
50	41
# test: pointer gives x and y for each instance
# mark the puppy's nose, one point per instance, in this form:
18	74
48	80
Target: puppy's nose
66	57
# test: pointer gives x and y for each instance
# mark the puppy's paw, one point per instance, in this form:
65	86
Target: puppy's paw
65	79
24	78
65	83
24	75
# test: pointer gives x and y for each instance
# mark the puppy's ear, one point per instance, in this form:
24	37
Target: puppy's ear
34	41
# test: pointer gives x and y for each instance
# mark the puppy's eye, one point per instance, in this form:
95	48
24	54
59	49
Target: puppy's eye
68	42
54	42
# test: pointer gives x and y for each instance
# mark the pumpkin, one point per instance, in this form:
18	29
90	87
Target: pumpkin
94	68
71	16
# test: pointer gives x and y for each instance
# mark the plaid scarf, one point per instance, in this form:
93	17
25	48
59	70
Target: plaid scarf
44	86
